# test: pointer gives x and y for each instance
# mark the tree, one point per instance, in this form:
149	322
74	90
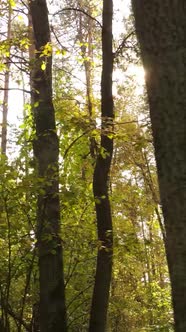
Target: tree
46	151
161	30
98	315
6	86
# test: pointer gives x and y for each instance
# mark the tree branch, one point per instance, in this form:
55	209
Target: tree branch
18	89
73	142
78	10
122	45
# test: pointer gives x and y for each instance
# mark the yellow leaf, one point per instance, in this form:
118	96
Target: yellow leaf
12	3
43	65
20	17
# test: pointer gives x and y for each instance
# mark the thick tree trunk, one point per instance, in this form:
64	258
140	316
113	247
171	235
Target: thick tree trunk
100	298
46	150
161	31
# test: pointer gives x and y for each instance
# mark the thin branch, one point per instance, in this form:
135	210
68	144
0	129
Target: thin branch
70	274
122	45
18	89
24	4
55	35
77	296
154	196
69	73
78	317
7	307
19	68
17	318
78	10
73	142
125	122
20	11
28	277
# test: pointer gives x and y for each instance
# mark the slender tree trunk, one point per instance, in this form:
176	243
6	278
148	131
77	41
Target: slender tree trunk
100	298
87	56
161	31
6	92
89	90
46	151
31	51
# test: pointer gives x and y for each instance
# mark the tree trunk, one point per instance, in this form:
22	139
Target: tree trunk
6	92
161	31
100	298
46	151
87	57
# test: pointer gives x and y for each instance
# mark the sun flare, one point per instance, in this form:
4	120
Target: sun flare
138	72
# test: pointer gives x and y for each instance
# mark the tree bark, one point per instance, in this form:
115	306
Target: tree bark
46	151
161	31
98	316
6	92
